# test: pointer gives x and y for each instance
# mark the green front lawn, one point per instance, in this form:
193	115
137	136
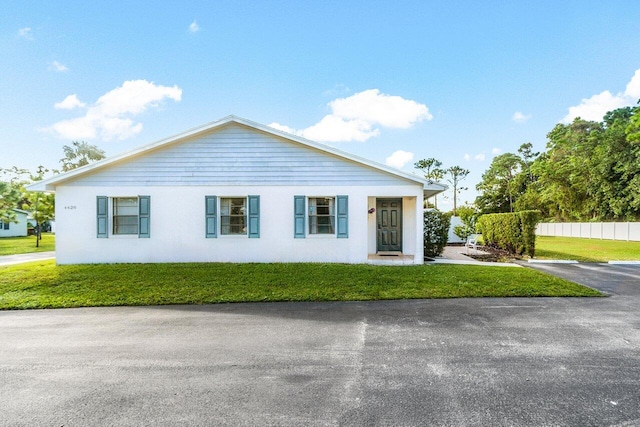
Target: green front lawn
25	245
45	285
586	250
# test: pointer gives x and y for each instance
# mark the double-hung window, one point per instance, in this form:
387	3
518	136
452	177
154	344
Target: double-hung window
125	215
233	216
322	215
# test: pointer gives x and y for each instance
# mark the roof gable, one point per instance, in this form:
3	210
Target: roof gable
233	151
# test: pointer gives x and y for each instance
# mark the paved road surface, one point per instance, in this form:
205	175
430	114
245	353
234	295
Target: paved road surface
498	362
22	258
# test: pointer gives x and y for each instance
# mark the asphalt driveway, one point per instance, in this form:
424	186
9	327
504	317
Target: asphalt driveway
614	279
499	362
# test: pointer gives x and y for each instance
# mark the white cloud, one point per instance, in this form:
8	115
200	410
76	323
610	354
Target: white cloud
25	33
496	150
135	96
335	129
283	128
399	159
56	66
478	157
69	103
194	27
111	116
356	117
595	107
376	108
336	90
633	87
519	117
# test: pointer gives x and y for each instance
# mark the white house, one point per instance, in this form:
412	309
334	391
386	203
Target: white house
13	229
237	191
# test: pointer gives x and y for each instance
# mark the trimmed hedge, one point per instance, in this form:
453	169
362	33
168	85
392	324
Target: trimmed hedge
436	232
513	232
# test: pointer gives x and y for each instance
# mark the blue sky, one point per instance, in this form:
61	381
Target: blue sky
459	81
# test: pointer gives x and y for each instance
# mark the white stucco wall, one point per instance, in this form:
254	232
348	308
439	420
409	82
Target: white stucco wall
178	225
16	229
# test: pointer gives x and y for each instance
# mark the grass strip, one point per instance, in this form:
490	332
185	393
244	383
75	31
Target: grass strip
586	250
42	284
25	245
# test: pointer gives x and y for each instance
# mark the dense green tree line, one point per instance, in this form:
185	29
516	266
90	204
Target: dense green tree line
590	171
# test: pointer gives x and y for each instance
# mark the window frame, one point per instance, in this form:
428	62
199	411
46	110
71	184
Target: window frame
113	216
244	215
313	219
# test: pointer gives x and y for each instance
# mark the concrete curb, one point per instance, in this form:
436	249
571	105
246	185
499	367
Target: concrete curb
470	262
624	262
552	261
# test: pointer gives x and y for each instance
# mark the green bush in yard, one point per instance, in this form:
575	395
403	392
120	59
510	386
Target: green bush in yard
436	232
529	221
513	232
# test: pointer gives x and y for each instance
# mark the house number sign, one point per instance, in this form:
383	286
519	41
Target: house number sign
70	207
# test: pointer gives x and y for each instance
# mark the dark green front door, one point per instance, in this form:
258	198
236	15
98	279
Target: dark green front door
389	225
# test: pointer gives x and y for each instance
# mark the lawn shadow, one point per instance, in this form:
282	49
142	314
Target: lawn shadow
463	311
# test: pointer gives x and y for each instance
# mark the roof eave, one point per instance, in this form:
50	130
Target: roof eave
433	188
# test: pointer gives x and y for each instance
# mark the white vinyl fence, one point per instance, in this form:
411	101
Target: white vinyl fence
455	220
591	230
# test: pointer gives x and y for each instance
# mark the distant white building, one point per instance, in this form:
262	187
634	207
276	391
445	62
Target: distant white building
13	229
238	191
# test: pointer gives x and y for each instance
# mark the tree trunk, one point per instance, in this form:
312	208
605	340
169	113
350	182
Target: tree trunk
454	200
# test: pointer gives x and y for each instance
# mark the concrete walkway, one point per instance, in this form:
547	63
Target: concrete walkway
22	258
456	255
451	255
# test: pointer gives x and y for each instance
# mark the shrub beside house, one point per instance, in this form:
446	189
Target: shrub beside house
513	232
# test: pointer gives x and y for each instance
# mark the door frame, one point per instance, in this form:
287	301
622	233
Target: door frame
400	225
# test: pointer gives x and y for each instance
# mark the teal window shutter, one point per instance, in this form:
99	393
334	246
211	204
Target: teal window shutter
211	212
102	209
343	216
144	211
298	217
254	217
